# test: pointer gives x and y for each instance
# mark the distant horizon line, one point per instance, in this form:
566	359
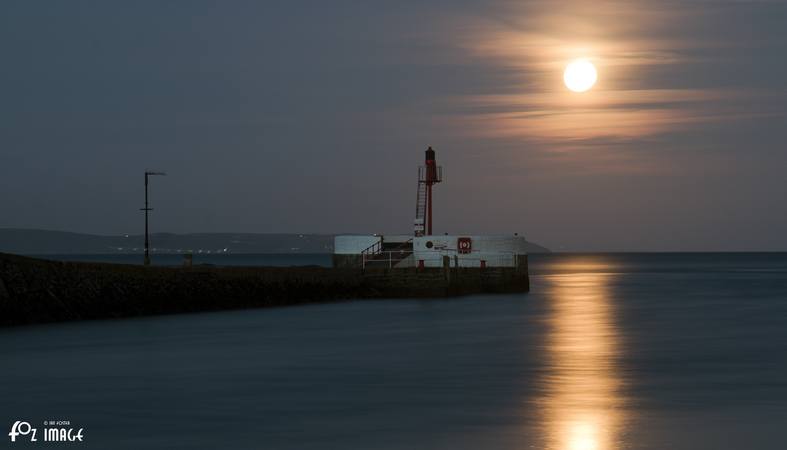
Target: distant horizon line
549	248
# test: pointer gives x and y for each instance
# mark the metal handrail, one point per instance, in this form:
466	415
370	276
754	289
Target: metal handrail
398	249
500	259
390	261
422	174
393	258
368	249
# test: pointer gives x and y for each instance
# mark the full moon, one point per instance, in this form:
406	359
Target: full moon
580	75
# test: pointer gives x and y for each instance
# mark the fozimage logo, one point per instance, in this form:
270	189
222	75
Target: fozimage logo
52	431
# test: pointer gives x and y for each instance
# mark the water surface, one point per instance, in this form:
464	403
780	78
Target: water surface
678	351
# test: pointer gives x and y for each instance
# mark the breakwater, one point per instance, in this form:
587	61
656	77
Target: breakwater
34	290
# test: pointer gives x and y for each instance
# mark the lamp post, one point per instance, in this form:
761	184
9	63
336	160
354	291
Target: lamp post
148	209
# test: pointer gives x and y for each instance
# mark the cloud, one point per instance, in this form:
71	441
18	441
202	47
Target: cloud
661	67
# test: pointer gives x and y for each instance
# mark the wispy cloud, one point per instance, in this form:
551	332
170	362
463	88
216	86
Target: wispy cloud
645	52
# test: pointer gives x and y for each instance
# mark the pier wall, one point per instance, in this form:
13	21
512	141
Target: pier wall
33	290
448	281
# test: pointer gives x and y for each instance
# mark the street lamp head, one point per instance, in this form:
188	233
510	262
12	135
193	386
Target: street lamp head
154	173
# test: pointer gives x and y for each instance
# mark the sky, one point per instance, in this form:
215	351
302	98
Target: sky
312	117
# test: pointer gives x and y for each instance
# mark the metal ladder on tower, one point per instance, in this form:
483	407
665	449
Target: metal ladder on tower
420	209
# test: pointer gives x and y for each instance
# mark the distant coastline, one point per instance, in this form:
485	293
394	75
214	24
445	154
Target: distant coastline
41	242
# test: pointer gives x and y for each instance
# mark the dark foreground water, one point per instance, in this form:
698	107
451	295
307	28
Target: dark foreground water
656	351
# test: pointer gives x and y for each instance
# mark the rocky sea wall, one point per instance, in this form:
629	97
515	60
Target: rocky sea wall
36	291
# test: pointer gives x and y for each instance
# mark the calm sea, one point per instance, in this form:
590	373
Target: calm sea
608	351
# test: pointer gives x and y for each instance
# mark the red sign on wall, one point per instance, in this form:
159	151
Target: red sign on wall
464	245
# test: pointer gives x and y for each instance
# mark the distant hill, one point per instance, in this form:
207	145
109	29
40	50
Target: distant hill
42	242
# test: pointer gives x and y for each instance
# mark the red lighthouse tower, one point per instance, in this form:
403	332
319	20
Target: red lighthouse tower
428	175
